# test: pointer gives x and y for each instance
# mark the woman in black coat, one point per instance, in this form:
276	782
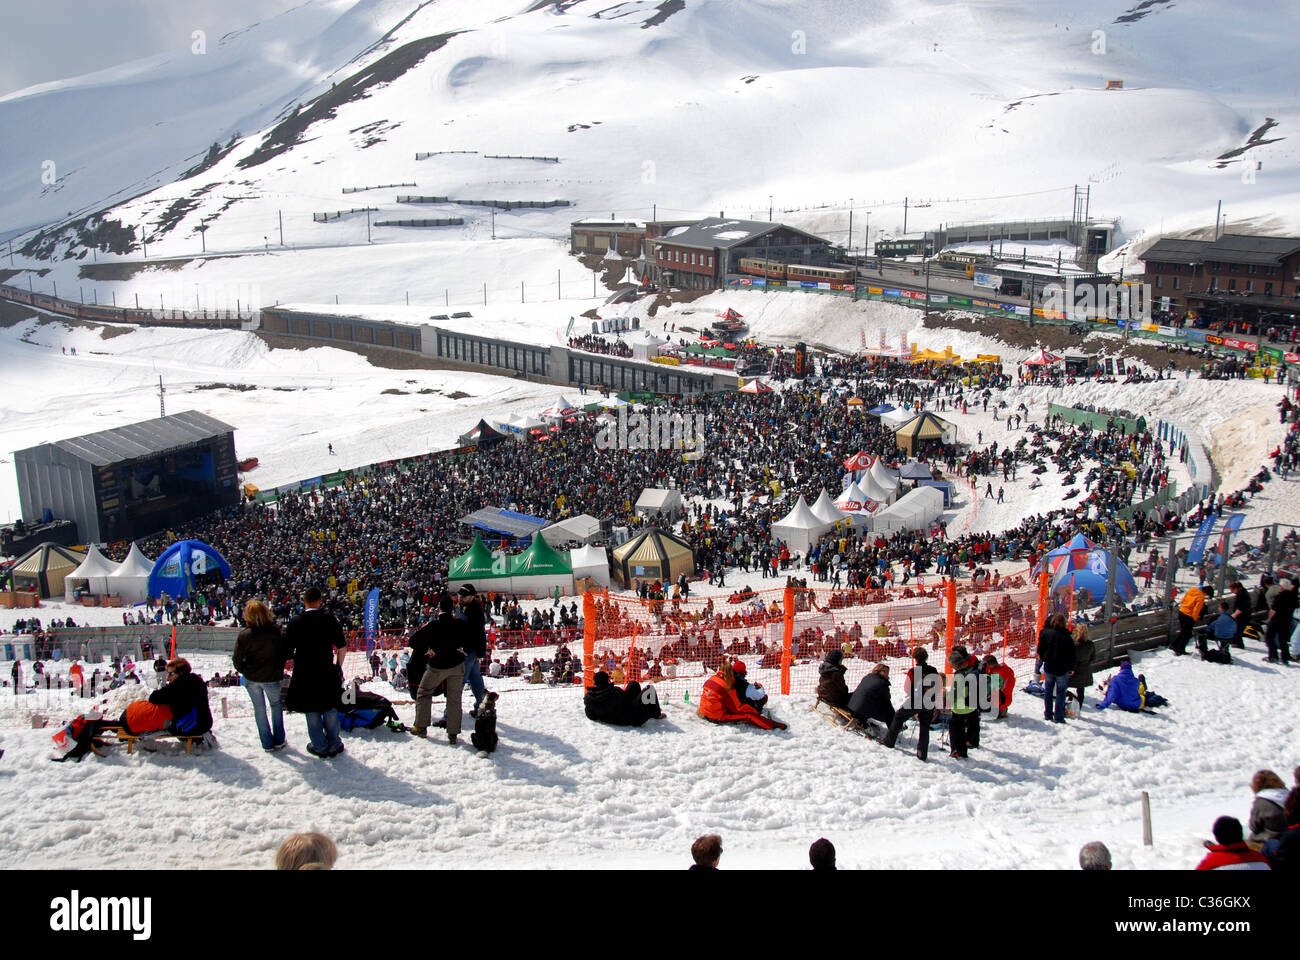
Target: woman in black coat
260	655
1084	651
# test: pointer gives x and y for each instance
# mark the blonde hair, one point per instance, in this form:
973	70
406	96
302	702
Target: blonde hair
1080	632
256	614
727	674
881	668
306	851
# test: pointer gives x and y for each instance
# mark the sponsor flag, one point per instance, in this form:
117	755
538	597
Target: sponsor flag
371	619
1197	553
1225	538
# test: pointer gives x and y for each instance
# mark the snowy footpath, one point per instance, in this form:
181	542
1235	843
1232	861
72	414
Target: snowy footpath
563	792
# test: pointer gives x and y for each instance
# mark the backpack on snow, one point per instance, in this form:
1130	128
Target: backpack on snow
369	710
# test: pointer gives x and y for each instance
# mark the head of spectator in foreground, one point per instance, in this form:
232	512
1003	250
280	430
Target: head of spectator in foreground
822	855
306	851
707	851
256	614
1227	831
177	668
311	597
1094	856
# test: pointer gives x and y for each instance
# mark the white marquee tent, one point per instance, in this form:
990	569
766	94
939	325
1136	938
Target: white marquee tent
130	580
91	575
896	418
800	528
583	528
825	510
914	511
590	562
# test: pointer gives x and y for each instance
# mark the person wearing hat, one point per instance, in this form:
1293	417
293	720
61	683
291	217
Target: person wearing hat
747	691
963	697
606	702
471	612
1277	631
831	688
718	702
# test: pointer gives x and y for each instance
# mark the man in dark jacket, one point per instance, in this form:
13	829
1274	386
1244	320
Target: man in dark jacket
475	643
831	688
444	641
607	703
921	696
318	646
1277	632
1056	650
1241	612
871	700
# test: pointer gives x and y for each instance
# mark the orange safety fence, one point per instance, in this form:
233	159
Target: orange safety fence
782	635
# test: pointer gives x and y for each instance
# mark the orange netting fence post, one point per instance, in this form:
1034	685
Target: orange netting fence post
173	656
1042	598
589	627
950	630
787	640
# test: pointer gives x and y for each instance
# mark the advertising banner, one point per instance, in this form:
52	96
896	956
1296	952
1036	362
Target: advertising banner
1236	344
1197	553
371	619
990	280
1212	338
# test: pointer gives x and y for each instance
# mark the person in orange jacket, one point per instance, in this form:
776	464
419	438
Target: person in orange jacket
1189	611
719	704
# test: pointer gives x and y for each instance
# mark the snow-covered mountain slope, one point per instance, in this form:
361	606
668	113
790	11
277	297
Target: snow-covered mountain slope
970	110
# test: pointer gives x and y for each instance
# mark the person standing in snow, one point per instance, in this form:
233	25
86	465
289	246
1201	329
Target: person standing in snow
1277	631
1084	652
318	646
1056	651
964	727
1189	611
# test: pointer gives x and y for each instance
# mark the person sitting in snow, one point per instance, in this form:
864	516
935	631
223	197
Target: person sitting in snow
1267	819
747	691
871	700
831	688
1004	684
1123	691
719	704
606	702
1229	850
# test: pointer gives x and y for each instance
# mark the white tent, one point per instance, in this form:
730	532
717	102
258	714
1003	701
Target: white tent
800	528
881	493
825	510
658	502
915	511
894	419
851	500
590	562
583	528
92	574
645	345
559	410
521	423
885	478
130	580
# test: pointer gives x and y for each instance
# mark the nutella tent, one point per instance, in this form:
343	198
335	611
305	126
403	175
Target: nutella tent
800	528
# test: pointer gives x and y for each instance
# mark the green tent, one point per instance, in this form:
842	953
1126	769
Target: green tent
540	559
477	563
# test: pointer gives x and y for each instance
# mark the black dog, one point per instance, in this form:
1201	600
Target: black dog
485	736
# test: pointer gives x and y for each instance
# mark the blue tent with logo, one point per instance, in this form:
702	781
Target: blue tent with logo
177	566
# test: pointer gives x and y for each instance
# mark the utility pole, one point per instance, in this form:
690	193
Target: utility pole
485	293
56	289
1217	214
905	216
281	213
203	236
368	226
143	243
924	244
557	285
769	208
494	223
162	402
850	226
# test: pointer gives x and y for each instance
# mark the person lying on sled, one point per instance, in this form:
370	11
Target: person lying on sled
719	704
